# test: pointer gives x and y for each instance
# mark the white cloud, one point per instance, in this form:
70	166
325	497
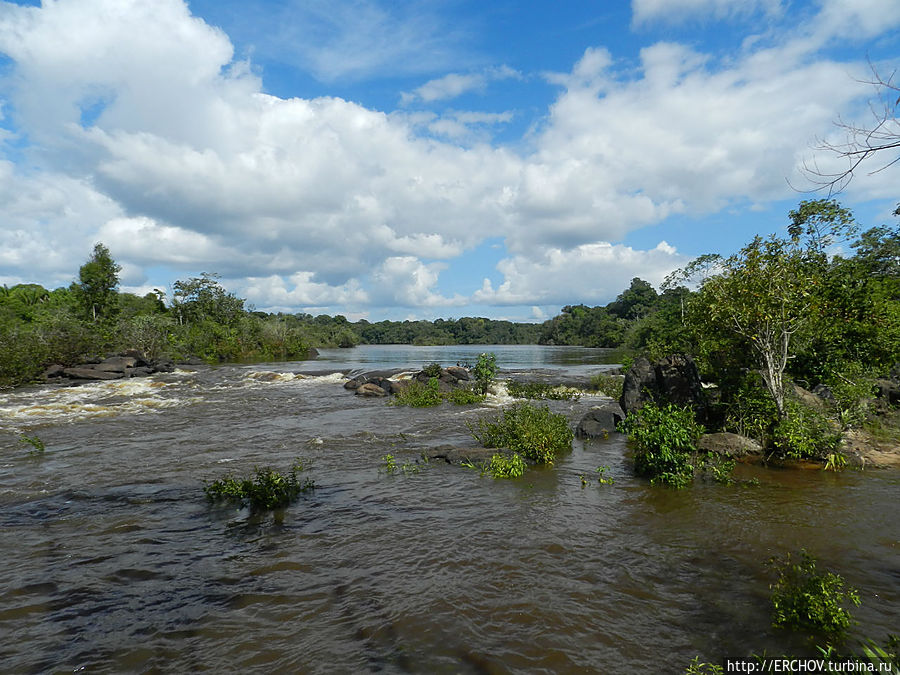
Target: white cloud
679	10
407	282
455	84
145	133
591	272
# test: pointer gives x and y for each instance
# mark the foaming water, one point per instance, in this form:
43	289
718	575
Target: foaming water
115	562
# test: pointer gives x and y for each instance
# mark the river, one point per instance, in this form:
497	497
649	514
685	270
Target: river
115	562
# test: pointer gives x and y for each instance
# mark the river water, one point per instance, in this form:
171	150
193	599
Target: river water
115	562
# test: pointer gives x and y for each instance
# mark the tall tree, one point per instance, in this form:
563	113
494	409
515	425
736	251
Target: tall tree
98	279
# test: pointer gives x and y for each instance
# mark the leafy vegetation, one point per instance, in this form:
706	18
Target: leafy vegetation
419	394
390	466
664	439
505	466
609	385
265	490
536	433
485	371
36	445
806	599
540	391
464	396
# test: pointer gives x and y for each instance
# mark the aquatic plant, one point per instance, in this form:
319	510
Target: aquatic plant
534	432
806	599
419	395
697	668
391	467
664	440
36	444
505	466
485	370
601	478
464	396
266	489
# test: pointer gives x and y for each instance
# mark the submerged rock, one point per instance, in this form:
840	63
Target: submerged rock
733	446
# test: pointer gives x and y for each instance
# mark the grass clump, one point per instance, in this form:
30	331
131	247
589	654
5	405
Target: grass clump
463	396
533	432
35	444
390	466
267	489
806	599
540	390
609	385
420	395
665	440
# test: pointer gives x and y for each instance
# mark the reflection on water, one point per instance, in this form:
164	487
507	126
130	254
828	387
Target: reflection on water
115	562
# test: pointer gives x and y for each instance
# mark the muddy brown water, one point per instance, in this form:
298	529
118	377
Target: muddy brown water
113	561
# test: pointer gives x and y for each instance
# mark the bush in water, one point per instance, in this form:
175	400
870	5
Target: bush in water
533	432
268	489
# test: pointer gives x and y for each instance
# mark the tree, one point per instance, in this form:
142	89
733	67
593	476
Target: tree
96	289
881	136
203	298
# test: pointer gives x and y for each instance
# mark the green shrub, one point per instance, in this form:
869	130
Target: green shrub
484	371
419	395
750	409
804	433
803	598
464	396
852	387
433	370
267	489
505	466
610	385
534	432
390	466
697	668
664	440
540	390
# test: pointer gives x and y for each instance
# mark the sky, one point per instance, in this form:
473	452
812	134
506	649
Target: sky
407	159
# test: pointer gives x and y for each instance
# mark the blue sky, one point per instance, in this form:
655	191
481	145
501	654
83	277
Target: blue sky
415	159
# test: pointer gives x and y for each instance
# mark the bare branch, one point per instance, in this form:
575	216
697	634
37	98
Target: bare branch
862	142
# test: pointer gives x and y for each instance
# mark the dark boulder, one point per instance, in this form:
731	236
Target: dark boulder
673	379
353	384
600	421
459	373
163	366
140	371
889	390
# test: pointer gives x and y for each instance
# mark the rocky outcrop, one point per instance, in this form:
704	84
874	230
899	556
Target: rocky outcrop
733	446
125	365
370	390
864	451
673	379
449	379
600	421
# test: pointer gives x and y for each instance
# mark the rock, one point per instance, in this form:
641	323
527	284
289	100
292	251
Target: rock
673	379
140	361
116	364
398	386
809	399
163	366
192	361
311	353
823	392
454	455
56	370
864	450
729	445
600	421
88	373
459	373
352	384
141	371
370	390
889	390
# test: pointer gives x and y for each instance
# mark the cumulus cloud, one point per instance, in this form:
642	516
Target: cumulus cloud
144	131
599	271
